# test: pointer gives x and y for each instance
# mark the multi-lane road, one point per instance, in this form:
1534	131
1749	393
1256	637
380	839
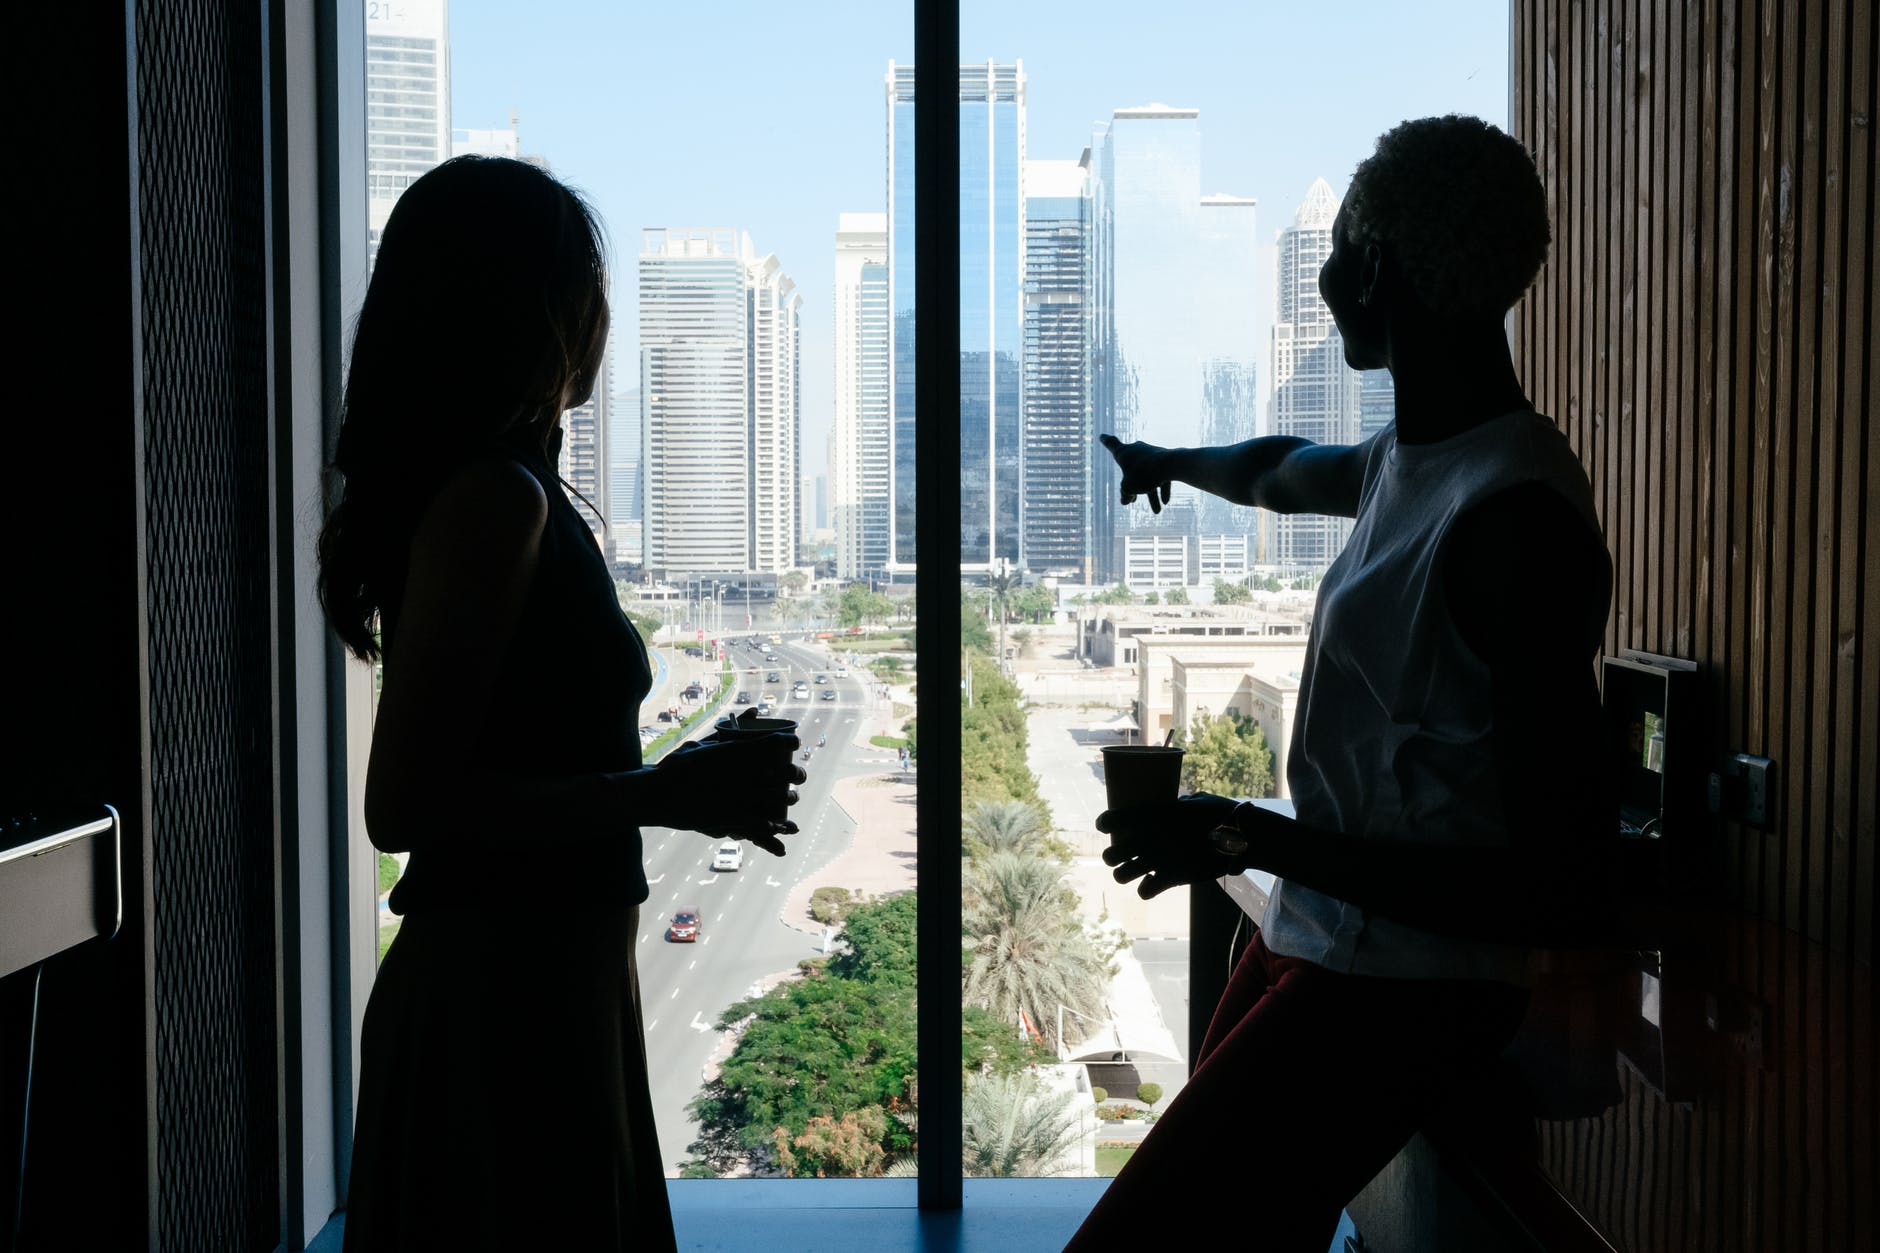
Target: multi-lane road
742	939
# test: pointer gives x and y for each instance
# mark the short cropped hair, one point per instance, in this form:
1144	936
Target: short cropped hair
1460	207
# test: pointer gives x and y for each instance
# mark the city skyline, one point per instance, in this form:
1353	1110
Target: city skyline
1275	119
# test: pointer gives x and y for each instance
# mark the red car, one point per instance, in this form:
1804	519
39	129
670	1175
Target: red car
683	929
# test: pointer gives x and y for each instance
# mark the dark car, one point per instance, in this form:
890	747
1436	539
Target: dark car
693	692
829	693
771	677
683	929
666	715
742	698
822	678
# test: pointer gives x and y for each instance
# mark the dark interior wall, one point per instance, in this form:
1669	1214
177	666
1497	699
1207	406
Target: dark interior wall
138	614
71	714
1705	333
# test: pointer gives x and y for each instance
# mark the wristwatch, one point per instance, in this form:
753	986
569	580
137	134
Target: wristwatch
1230	837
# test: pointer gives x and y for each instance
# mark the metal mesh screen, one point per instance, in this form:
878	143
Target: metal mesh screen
201	198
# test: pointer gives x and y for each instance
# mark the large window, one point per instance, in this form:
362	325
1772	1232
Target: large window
1142	200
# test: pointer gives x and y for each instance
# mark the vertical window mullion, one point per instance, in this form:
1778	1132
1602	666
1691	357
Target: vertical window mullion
936	518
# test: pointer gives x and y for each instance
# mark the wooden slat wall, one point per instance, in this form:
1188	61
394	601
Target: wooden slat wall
1705	332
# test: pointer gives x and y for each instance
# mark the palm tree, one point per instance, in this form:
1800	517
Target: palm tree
1003	827
1027	951
1002	584
1012	1126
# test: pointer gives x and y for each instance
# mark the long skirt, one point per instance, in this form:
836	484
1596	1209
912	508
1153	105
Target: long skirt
503	1099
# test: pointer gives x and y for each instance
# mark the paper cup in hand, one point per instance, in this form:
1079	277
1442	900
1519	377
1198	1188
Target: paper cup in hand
751	727
1141	774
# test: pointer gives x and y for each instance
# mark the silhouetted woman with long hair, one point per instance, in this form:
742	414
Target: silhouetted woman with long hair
1453	805
503	1098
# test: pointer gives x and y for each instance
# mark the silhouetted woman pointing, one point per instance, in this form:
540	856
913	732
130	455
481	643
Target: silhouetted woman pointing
503	1099
1452	799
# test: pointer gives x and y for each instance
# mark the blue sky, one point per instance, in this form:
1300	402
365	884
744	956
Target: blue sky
769	117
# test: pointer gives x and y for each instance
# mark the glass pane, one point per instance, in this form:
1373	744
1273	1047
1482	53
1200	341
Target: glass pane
736	465
1150	272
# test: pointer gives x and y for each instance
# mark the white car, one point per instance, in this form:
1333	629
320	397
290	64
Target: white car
730	856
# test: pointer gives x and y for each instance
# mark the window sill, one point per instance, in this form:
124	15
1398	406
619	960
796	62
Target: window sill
864	1215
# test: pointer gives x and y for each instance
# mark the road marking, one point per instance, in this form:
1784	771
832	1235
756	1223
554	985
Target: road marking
692	963
697	1025
708	939
705	883
674	996
769	882
653	883
652	1024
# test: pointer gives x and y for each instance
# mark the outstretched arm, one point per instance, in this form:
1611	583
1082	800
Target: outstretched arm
1282	473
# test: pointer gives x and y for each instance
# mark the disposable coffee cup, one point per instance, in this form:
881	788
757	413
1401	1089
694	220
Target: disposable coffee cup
751	728
730	729
1141	774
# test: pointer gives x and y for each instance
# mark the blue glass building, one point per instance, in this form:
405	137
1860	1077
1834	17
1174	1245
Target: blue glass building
992	151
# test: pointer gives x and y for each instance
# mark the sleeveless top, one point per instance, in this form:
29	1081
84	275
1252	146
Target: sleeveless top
566	701
1394	737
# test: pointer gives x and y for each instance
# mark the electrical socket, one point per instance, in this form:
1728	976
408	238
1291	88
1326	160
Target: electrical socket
1746	790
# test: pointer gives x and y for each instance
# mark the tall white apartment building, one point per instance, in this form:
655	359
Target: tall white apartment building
1315	394
860	443
719	405
407	102
776	411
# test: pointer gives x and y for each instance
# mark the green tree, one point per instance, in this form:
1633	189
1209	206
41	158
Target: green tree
1027	951
794	581
989	827
1036	603
1305	583
879	942
1118	595
993	740
1226	593
1149	1093
1228	756
1015	1126
1152	598
1176	596
990	1046
973	631
817	1047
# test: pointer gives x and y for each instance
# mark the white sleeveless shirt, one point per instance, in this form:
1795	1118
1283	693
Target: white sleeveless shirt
1394	736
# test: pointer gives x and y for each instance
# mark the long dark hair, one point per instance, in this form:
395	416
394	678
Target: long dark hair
487	309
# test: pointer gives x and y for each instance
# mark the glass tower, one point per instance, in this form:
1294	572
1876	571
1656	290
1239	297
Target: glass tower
1172	326
992	149
860	440
1315	394
1054	496
1224	296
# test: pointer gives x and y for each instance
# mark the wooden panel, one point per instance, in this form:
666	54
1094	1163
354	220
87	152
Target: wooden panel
1704	333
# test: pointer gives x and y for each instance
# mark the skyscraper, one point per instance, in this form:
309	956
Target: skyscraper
1315	394
861	443
1172	355
1224	296
1377	401
719	405
1054	492
775	409
625	506
992	149
583	461
407	102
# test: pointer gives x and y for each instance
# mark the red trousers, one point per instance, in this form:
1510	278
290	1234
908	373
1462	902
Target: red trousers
1307	1084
